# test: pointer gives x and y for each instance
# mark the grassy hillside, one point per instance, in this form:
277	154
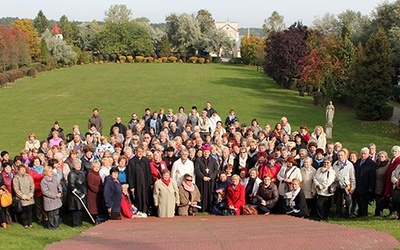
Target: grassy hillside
69	95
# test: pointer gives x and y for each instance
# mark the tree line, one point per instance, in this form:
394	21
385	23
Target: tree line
348	58
118	35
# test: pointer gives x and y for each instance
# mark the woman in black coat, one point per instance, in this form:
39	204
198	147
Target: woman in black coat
76	184
298	202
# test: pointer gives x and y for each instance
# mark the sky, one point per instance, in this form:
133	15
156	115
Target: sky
248	13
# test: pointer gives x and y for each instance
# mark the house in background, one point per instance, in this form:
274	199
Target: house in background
232	29
56	31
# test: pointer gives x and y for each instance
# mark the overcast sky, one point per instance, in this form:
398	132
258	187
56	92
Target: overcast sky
248	13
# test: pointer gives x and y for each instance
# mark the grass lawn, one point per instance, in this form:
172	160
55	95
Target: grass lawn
69	95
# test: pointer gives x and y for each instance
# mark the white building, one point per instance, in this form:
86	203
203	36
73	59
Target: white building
232	29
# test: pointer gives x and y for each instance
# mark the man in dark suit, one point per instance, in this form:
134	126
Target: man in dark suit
365	171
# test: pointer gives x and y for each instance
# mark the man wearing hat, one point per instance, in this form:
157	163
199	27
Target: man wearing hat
205	169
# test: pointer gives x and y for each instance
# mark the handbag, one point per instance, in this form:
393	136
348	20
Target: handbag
6	198
17	205
333	187
396	195
249	210
228	212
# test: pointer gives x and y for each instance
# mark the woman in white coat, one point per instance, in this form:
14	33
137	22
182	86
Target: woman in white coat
319	137
288	172
166	195
324	177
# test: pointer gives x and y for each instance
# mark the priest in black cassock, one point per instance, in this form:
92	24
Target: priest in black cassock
140	180
206	169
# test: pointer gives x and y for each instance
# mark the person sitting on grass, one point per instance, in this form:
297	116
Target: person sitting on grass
128	210
189	197
235	195
267	195
298	202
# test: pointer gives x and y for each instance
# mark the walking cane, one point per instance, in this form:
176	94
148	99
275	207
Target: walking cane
83	204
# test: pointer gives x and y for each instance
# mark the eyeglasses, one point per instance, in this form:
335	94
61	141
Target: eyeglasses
189	180
327	162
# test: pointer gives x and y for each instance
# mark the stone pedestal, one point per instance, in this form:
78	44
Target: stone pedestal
328	131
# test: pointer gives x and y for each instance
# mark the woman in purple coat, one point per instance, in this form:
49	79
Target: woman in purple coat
113	194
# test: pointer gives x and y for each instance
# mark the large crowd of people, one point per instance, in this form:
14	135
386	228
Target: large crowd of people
167	164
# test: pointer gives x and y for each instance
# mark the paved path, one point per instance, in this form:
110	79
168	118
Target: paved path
396	115
216	232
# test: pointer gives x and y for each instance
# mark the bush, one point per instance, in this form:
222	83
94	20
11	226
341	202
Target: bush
318	98
31	72
201	60
139	59
193	59
149	59
113	57
172	59
386	112
3	80
164	59
106	57
122	59
129	59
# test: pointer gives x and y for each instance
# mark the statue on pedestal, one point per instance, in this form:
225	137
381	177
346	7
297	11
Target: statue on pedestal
330	113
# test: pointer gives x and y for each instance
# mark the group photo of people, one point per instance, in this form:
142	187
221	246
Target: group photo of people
170	163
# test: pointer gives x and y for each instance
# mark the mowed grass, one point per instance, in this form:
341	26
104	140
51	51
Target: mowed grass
68	95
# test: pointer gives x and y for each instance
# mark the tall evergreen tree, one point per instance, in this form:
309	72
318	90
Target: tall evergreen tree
374	87
41	23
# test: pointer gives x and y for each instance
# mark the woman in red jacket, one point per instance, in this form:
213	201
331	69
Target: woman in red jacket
36	172
235	195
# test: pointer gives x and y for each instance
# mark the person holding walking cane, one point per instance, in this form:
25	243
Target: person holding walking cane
77	191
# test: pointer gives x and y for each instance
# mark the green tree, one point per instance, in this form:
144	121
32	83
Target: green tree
206	22
68	29
127	39
41	23
374	86
59	49
45	56
165	48
118	14
274	23
86	37
183	32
